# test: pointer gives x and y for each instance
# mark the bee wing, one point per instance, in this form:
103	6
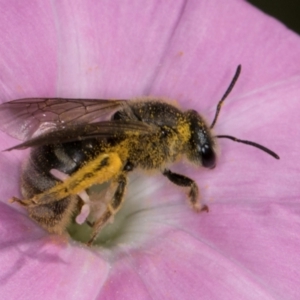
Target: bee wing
30	117
78	132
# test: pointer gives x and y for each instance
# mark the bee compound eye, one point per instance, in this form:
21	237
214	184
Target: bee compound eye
208	157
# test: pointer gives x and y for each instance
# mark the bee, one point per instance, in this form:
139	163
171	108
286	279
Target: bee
78	143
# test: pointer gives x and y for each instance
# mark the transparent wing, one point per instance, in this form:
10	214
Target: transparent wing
31	117
77	132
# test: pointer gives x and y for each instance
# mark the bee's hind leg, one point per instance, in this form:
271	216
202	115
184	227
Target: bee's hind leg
184	181
112	207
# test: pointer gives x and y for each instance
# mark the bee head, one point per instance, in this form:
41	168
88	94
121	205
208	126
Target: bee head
201	146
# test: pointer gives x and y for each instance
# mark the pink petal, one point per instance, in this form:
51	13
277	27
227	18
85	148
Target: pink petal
36	265
230	253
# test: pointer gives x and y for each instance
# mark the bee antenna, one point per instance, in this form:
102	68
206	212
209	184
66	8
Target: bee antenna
270	152
229	89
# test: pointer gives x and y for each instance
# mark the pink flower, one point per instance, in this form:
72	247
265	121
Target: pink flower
247	246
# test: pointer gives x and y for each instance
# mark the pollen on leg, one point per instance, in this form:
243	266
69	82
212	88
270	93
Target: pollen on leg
86	208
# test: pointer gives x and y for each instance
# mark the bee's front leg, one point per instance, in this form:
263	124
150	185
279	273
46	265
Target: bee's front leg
184	181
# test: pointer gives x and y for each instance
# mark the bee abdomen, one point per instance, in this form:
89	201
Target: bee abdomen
66	158
37	178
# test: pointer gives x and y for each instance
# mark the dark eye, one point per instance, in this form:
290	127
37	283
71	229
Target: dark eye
208	157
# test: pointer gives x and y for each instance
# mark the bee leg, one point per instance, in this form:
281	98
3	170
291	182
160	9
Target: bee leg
99	170
85	209
111	209
15	199
91	224
184	181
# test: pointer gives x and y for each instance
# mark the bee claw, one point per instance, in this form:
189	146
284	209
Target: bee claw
13	199
204	208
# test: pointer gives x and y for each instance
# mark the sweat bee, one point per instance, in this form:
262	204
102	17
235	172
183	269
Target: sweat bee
78	143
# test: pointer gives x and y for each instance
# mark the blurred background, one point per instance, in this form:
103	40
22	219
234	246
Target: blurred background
287	11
